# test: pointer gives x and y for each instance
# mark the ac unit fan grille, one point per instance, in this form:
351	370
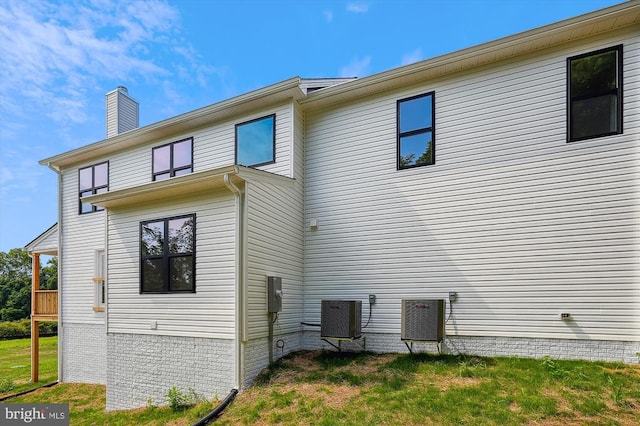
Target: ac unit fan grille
423	320
341	319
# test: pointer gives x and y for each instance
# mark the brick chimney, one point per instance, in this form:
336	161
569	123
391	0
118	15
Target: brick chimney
122	112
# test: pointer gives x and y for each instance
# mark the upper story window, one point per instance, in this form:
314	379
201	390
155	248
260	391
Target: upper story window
594	94
92	180
256	142
167	255
416	131
173	159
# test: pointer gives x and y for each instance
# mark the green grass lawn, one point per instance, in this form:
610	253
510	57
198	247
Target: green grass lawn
15	364
328	388
87	407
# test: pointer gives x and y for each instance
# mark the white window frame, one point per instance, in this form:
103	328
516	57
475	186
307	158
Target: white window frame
99	291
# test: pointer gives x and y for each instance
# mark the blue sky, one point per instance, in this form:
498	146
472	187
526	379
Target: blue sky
58	60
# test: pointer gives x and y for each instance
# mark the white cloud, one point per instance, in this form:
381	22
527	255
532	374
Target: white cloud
356	68
52	55
17	173
328	14
358	7
411	57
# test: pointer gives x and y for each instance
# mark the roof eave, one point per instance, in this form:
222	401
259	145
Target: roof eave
580	27
185	185
35	245
270	95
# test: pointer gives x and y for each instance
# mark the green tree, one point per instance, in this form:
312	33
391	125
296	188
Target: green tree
15	283
49	275
410	159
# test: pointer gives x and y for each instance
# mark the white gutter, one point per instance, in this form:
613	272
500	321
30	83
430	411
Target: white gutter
60	252
233	107
240	281
105	276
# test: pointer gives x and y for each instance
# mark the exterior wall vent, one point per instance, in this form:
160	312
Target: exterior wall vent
341	319
122	112
423	320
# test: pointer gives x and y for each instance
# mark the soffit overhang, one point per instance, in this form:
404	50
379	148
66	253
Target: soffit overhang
286	90
591	24
45	243
185	185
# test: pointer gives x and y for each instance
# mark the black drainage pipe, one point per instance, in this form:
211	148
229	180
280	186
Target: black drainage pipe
48	385
218	410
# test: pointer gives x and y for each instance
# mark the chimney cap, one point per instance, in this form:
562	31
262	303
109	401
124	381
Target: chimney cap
122	89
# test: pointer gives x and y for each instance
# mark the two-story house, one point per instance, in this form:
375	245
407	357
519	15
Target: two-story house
507	173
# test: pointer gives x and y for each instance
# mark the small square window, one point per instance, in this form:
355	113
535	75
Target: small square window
173	159
256	142
594	106
92	180
416	131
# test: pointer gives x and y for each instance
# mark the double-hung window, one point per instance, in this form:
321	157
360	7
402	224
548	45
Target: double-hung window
173	159
167	255
416	131
92	180
256	142
594	99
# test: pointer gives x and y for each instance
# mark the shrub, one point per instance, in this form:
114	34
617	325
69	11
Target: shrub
48	327
179	400
22	328
14	329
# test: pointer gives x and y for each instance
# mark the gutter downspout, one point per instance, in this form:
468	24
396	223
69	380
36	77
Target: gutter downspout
57	171
239	276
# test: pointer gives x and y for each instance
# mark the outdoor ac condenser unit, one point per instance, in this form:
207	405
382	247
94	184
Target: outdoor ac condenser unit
341	319
423	320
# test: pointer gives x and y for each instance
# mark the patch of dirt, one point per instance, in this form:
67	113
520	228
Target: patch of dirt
444	383
303	361
177	422
628	370
372	364
563	405
334	396
631	420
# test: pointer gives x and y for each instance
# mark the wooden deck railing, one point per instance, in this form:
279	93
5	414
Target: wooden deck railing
46	303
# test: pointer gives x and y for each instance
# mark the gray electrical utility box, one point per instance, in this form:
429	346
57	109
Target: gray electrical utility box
423	320
274	294
341	319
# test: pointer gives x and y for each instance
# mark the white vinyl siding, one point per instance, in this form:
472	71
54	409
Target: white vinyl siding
122	113
48	241
275	247
112	121
209	312
80	236
128	114
521	224
213	146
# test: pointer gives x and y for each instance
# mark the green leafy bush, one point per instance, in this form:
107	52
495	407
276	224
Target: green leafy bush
179	400
22	328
